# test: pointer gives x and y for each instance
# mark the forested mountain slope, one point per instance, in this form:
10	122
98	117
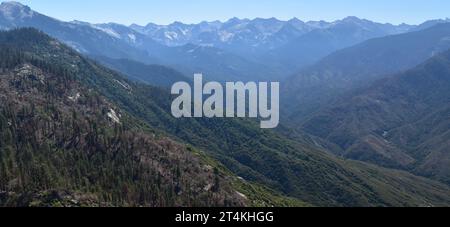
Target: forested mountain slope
402	121
298	169
358	66
64	144
156	75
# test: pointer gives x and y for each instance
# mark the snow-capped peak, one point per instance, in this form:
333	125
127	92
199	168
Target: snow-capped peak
15	10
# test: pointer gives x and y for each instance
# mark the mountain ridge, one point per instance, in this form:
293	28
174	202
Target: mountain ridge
406	114
358	66
294	168
64	143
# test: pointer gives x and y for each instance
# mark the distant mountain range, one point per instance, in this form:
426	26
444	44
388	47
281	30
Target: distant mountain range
258	49
287	45
259	34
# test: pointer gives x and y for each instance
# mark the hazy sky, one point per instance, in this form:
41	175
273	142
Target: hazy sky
193	11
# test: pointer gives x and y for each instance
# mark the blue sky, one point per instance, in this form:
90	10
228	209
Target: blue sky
193	11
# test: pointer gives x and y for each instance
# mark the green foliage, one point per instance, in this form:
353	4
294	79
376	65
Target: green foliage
155	75
400	122
299	169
